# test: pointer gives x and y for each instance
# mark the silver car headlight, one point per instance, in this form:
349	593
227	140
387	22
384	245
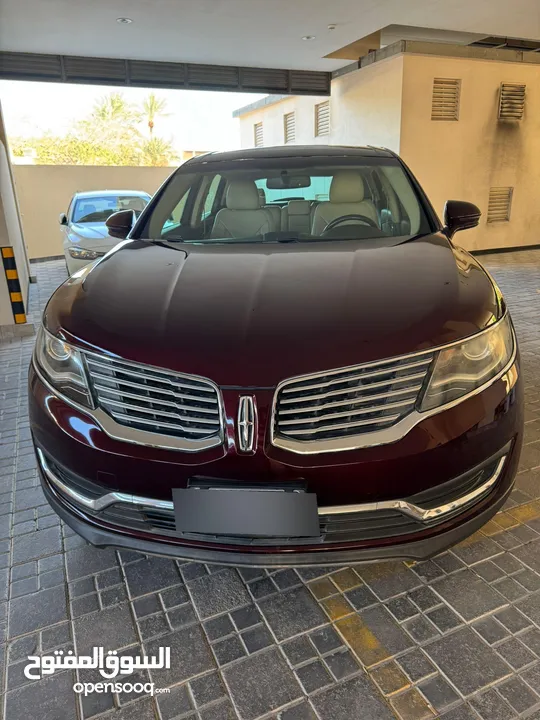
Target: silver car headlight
63	367
83	254
462	368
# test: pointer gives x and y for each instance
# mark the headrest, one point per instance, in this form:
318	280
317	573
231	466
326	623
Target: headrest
299	207
347	186
242	195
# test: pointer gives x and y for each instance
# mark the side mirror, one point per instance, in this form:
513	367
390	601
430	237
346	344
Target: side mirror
460	215
119	224
62	219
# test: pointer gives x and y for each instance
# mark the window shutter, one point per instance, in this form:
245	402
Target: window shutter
445	99
258	134
322	119
289	127
511	101
500	202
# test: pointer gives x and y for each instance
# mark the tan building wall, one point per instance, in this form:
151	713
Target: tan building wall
462	160
366	106
271	117
44	192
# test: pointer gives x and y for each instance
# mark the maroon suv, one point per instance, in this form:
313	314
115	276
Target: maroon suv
288	362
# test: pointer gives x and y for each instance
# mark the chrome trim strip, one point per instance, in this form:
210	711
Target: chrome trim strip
403	506
416	511
392	434
124	433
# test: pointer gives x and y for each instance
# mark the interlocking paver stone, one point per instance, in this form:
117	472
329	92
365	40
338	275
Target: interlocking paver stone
469	595
354	698
218	593
291	613
261	683
467	661
31	612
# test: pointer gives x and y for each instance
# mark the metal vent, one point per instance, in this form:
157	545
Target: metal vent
445	99
500	203
289	127
158	74
212	76
142	73
258	134
352	401
266	80
511	101
95	70
155	400
29	66
310	82
322	119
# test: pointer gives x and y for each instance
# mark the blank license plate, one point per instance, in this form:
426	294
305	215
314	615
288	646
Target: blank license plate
235	511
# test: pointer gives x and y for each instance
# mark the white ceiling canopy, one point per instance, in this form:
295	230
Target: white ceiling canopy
256	33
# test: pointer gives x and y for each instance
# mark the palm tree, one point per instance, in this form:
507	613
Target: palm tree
152	107
115	108
158	152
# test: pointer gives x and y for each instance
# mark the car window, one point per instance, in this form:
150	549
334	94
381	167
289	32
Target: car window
96	209
359	198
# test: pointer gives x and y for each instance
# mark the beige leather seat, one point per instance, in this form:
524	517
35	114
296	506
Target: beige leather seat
242	216
346	198
296	216
275	214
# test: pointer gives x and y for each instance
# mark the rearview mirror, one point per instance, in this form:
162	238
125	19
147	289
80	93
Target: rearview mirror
288	182
460	215
119	224
62	219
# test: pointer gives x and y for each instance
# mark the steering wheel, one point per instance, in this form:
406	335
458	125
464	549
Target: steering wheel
347	218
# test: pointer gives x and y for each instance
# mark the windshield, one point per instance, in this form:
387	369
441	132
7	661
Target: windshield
287	200
95	209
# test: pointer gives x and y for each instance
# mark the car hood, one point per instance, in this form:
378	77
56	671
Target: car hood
255	314
91	236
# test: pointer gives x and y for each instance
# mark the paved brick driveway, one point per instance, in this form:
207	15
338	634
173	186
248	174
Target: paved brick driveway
457	637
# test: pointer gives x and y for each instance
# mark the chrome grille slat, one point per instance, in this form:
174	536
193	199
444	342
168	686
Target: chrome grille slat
163	391
350	402
345	413
340	403
351	376
154	401
352	388
342	426
157	401
161	413
156	424
156	378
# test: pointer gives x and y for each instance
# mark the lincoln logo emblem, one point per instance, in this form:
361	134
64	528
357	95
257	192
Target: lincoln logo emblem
247	424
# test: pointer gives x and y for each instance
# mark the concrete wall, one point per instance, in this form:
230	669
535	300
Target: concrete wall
462	160
44	192
366	105
272	118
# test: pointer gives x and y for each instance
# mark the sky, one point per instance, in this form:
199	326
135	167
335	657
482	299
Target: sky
197	120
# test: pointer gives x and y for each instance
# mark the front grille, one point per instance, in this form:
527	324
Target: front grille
351	401
155	400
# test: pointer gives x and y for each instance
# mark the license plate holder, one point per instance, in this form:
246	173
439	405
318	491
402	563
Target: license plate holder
246	512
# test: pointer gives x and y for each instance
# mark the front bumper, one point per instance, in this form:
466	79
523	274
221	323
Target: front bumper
434	454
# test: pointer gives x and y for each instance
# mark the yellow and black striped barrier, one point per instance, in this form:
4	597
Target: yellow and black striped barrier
14	286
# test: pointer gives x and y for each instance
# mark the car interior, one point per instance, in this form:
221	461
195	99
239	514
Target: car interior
280	205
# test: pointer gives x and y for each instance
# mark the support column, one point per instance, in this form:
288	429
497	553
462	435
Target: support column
14	265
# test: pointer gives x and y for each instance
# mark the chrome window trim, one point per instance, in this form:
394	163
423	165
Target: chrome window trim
395	432
417	512
124	433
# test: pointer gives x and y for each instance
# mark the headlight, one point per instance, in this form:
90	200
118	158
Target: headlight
63	367
462	368
82	254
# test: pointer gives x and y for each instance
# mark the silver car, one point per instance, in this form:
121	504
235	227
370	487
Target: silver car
86	237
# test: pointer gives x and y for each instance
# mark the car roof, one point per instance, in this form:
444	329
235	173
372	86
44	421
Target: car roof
291	152
113	193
